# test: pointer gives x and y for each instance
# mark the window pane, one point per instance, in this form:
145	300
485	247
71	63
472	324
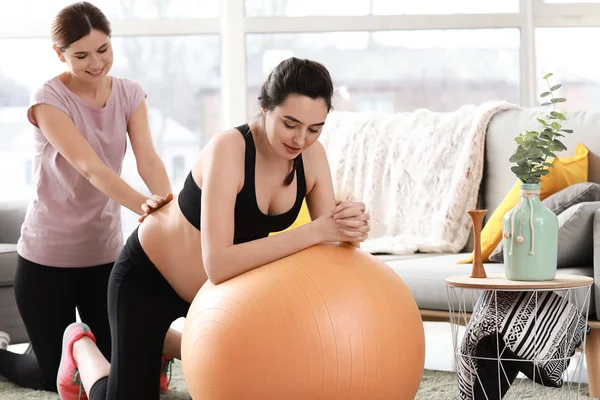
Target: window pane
44	10
575	69
295	8
399	71
181	76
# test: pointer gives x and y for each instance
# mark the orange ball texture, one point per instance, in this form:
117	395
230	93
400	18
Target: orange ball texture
328	322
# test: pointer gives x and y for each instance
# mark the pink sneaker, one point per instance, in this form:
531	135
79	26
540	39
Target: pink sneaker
165	373
68	382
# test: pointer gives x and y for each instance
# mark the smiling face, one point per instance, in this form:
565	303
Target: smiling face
295	124
89	58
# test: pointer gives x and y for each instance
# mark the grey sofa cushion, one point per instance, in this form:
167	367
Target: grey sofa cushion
12	214
571	195
396	257
425	277
8	264
575	234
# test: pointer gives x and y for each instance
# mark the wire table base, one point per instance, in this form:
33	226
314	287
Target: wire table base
516	329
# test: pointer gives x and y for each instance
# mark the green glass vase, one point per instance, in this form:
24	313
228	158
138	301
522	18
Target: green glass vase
530	238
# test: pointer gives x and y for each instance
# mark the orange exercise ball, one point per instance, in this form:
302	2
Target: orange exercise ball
328	322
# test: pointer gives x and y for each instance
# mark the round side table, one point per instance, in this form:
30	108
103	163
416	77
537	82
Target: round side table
518	328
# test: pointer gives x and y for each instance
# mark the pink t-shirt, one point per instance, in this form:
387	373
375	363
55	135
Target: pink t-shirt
70	223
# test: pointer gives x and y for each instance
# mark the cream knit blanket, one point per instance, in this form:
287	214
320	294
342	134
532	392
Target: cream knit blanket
417	172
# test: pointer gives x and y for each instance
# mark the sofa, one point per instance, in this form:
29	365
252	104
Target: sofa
12	215
425	273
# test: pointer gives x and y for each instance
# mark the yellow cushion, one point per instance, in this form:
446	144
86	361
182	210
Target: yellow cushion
565	172
303	218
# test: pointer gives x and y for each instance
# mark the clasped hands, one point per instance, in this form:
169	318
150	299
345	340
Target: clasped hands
352	221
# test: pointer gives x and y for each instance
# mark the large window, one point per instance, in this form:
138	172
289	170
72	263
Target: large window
574	66
399	70
295	8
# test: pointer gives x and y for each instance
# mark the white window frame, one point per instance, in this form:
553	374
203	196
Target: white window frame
532	14
233	26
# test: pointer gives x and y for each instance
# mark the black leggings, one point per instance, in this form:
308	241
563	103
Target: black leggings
141	307
46	298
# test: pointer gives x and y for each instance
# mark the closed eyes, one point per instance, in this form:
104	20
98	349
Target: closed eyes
81	55
295	126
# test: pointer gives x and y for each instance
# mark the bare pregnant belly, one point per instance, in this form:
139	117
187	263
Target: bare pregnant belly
173	245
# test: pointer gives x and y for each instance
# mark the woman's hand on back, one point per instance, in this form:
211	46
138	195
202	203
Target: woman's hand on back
154	204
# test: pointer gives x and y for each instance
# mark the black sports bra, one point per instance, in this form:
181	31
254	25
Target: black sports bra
250	222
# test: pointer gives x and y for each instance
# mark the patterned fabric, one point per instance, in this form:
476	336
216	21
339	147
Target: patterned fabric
547	338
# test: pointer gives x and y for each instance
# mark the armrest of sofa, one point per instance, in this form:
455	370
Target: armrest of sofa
12	215
597	263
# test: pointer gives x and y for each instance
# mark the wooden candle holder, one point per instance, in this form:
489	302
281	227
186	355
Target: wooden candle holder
477	217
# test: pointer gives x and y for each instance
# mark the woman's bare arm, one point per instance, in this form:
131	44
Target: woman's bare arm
62	134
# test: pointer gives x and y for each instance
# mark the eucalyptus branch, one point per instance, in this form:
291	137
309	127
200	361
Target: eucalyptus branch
534	148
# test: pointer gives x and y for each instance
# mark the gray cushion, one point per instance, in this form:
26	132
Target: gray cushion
576	233
8	263
396	257
425	277
571	195
12	214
